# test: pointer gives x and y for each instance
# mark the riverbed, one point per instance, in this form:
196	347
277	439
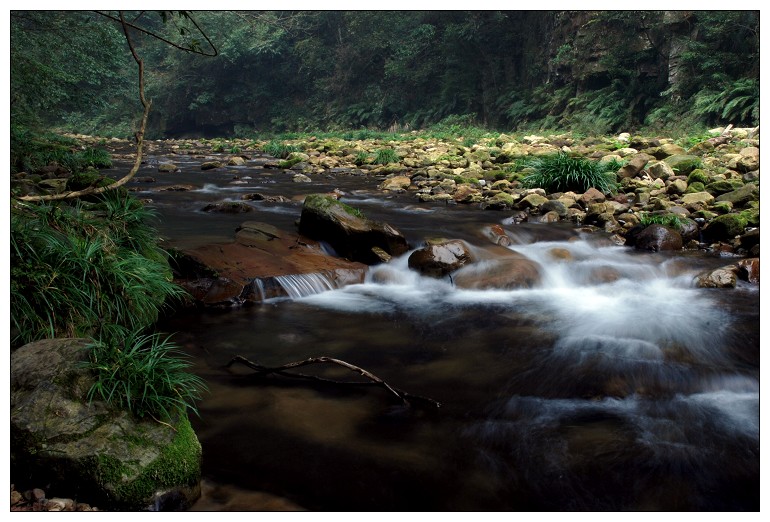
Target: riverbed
615	384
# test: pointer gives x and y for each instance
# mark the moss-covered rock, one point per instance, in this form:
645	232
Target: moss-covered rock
699	175
353	236
725	227
87	449
683	164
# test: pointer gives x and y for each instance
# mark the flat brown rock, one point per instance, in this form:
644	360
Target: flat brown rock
225	273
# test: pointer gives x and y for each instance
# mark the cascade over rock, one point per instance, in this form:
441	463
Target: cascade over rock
245	270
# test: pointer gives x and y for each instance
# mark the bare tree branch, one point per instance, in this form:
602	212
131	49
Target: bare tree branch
169	42
373	379
139	139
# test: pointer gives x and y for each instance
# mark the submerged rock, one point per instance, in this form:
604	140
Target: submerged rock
511	270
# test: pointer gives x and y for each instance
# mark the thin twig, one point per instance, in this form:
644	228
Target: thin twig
373	379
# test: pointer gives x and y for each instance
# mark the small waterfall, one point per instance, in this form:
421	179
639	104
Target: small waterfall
303	285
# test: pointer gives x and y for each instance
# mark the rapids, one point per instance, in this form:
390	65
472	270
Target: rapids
615	384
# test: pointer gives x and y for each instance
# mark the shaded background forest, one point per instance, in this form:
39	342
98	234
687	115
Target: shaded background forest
585	71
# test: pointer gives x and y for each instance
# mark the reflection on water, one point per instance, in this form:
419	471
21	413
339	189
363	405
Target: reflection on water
613	385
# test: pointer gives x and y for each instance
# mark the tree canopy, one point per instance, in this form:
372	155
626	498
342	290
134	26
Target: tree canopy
273	71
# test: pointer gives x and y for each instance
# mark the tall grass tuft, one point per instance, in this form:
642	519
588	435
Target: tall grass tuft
280	150
77	267
144	374
385	156
562	173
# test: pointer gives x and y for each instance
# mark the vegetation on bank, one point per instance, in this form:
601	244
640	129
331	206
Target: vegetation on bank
94	268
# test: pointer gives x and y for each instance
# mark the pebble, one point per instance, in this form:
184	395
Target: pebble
35	500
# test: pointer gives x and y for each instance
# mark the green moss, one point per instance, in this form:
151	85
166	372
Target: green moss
322	202
289	163
699	175
177	465
695	186
722	186
751	216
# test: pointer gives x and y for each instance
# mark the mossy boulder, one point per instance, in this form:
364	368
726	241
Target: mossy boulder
725	227
741	196
88	449
349	233
698	175
683	164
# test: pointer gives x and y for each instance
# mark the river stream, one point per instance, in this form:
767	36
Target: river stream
613	385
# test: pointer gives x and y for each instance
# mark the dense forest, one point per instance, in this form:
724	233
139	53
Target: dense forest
272	71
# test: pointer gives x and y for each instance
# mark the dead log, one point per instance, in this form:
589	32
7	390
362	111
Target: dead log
373	380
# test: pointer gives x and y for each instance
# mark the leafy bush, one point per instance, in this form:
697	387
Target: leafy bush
736	102
144	374
77	267
561	173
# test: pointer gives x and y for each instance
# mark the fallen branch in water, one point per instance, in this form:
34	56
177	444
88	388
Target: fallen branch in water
373	379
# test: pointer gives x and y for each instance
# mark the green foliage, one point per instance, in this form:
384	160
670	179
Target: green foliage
669	220
31	151
144	374
385	156
77	267
562	173
395	70
280	150
735	102
362	158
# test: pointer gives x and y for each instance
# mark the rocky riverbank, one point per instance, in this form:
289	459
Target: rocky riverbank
714	181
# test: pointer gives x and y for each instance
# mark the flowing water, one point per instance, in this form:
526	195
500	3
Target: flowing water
613	385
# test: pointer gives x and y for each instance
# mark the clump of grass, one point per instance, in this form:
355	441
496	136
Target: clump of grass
143	374
385	156
279	149
31	150
668	220
77	267
562	173
362	158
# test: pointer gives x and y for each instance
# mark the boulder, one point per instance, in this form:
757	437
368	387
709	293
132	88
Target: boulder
87	449
724	228
703	198
748	269
749	160
743	195
396	184
661	170
592	195
236	161
683	164
249	269
167	167
351	235
440	259
210	165
510	271
228	207
724	277
657	238
634	166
